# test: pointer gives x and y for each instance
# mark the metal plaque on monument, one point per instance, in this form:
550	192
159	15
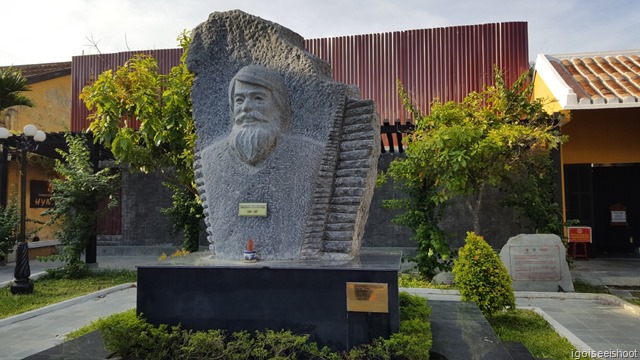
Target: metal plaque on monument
286	161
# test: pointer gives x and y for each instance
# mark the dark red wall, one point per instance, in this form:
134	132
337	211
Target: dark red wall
445	63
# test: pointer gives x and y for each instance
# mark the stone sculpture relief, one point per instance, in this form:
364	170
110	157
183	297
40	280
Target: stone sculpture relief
274	129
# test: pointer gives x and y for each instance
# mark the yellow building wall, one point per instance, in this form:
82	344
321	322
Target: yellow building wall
35	220
51	113
52	110
596	136
541	91
601	136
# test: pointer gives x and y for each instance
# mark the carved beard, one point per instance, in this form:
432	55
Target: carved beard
254	141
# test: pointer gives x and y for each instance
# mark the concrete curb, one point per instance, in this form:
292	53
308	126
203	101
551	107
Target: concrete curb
53	307
32	277
611	299
561	330
454	295
435	294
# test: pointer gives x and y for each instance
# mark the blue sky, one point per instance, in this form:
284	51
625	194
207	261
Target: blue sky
41	31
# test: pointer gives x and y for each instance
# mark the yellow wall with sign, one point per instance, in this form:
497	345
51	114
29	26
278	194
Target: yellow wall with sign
51	113
37	170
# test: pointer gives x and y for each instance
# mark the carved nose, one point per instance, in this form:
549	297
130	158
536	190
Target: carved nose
246	105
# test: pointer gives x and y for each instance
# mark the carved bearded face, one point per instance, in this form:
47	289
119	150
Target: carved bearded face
256	122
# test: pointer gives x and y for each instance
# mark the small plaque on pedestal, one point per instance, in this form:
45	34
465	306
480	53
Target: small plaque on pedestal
368	297
252	209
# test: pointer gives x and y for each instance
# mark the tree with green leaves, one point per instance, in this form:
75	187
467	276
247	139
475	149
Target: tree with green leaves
165	141
462	148
12	84
75	197
9	227
530	190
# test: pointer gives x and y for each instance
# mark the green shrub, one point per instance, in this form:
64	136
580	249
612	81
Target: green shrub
76	193
413	280
9	227
413	342
413	307
481	276
377	350
131	337
204	345
414	339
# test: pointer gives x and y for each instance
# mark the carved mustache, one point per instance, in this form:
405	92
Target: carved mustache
251	117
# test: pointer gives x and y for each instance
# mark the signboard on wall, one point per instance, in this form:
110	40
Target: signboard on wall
580	234
41	193
618	215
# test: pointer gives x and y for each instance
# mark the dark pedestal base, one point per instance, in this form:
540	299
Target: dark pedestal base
22	286
306	300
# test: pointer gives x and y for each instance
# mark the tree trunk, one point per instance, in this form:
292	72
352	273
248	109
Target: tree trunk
474	209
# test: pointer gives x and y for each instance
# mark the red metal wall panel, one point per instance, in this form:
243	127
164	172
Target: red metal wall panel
441	63
445	63
86	68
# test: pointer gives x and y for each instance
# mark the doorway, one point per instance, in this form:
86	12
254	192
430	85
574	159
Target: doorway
591	191
616	203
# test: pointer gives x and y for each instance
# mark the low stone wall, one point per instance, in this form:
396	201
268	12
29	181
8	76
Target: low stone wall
498	223
145	225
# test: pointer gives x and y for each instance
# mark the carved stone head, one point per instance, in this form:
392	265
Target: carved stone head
260	112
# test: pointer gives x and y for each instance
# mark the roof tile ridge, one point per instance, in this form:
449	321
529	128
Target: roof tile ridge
625	78
613	79
593	74
632	69
593	96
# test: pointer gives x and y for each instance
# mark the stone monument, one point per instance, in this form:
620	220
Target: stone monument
285	165
285	156
537	262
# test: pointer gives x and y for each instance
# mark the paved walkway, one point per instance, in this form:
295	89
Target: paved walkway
592	322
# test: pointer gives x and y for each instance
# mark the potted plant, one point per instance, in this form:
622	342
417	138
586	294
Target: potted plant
9	226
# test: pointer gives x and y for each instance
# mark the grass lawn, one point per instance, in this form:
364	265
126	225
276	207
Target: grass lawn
583	287
533	331
634	301
524	326
411	280
49	291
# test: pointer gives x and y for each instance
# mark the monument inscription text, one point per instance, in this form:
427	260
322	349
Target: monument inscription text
535	262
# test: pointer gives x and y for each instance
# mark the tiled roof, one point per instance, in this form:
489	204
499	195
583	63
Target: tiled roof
594	80
41	72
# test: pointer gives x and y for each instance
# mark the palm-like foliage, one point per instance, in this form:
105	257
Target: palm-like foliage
12	83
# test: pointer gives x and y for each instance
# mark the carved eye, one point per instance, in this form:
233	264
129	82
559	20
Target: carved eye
239	100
